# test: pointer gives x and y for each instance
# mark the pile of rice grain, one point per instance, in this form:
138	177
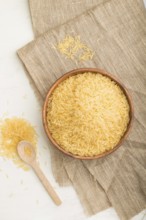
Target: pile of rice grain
12	131
87	114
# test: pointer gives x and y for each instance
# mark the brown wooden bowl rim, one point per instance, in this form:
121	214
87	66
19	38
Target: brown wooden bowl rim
74	72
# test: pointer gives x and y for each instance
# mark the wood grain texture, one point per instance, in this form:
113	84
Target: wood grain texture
116	32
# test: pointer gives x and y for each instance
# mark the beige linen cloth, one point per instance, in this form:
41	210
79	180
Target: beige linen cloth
48	14
116	32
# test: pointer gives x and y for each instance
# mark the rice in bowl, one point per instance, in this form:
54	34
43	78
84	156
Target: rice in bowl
87	114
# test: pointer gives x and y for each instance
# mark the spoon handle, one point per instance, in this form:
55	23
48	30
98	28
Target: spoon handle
46	183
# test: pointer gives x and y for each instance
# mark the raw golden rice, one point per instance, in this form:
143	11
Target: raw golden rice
12	131
87	114
74	49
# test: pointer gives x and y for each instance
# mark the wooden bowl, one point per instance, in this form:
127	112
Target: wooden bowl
74	72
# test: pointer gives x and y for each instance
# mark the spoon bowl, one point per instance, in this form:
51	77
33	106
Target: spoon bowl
26	152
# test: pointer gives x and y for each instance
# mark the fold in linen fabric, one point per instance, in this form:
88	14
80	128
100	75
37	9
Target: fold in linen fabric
48	14
116	33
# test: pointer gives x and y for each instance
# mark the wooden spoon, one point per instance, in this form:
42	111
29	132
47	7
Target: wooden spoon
27	153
